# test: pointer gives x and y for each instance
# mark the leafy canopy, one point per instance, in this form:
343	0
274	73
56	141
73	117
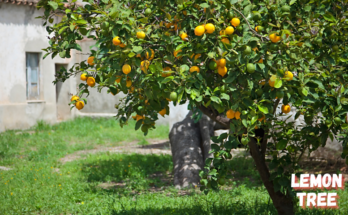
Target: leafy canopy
306	38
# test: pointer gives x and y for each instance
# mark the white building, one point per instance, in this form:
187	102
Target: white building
27	93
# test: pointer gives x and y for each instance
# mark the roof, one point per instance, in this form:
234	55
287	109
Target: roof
24	2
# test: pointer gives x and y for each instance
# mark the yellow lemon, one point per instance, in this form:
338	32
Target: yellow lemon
274	38
194	69
235	22
116	41
286	109
237	115
199	30
221	62
184	36
222	71
229	30
83	77
288	76
90	60
230	114
163	112
225	40
141	35
79	105
90	81
126	69
128	83
74	98
210	28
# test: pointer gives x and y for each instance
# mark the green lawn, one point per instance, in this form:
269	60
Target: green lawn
107	183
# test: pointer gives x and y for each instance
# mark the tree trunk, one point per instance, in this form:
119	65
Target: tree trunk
284	204
185	140
206	127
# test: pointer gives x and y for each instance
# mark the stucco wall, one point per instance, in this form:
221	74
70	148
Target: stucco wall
20	32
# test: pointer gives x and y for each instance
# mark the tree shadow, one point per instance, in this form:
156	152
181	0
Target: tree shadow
133	173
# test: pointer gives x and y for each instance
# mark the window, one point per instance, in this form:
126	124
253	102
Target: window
33	76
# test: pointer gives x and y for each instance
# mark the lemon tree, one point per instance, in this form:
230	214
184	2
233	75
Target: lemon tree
240	58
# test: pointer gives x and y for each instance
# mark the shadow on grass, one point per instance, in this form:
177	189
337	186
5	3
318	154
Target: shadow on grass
133	172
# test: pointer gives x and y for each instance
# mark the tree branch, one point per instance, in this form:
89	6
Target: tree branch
252	30
219	119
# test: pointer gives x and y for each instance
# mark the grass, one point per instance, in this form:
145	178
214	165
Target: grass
107	183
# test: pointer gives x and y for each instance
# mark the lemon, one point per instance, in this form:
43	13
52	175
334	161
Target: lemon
210	28
83	77
235	22
251	68
141	35
74	98
229	30
173	96
286	109
199	30
194	69
116	41
79	105
90	60
90	81
230	114
126	69
184	36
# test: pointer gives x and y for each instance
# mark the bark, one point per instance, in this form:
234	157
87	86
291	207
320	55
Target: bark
206	127
185	140
282	203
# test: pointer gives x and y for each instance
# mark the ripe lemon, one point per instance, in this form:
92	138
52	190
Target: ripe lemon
90	60
286	109
176	53
288	76
138	117
118	80
194	69
235	22
74	98
263	118
79	105
222	71
223	32
271	81
128	83
90	81
141	35
147	54
122	45
126	69
262	82
184	36
221	62
260	61
237	115
144	65
210	28
225	40
274	38
229	30
199	30
116	41
163	112
166	74
230	114
83	77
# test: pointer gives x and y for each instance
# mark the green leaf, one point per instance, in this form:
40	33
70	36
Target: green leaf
138	124
137	49
179	47
292	2
263	109
225	96
62	29
167	79
81	21
329	17
304	91
215	99
53	4
282	144
204	5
